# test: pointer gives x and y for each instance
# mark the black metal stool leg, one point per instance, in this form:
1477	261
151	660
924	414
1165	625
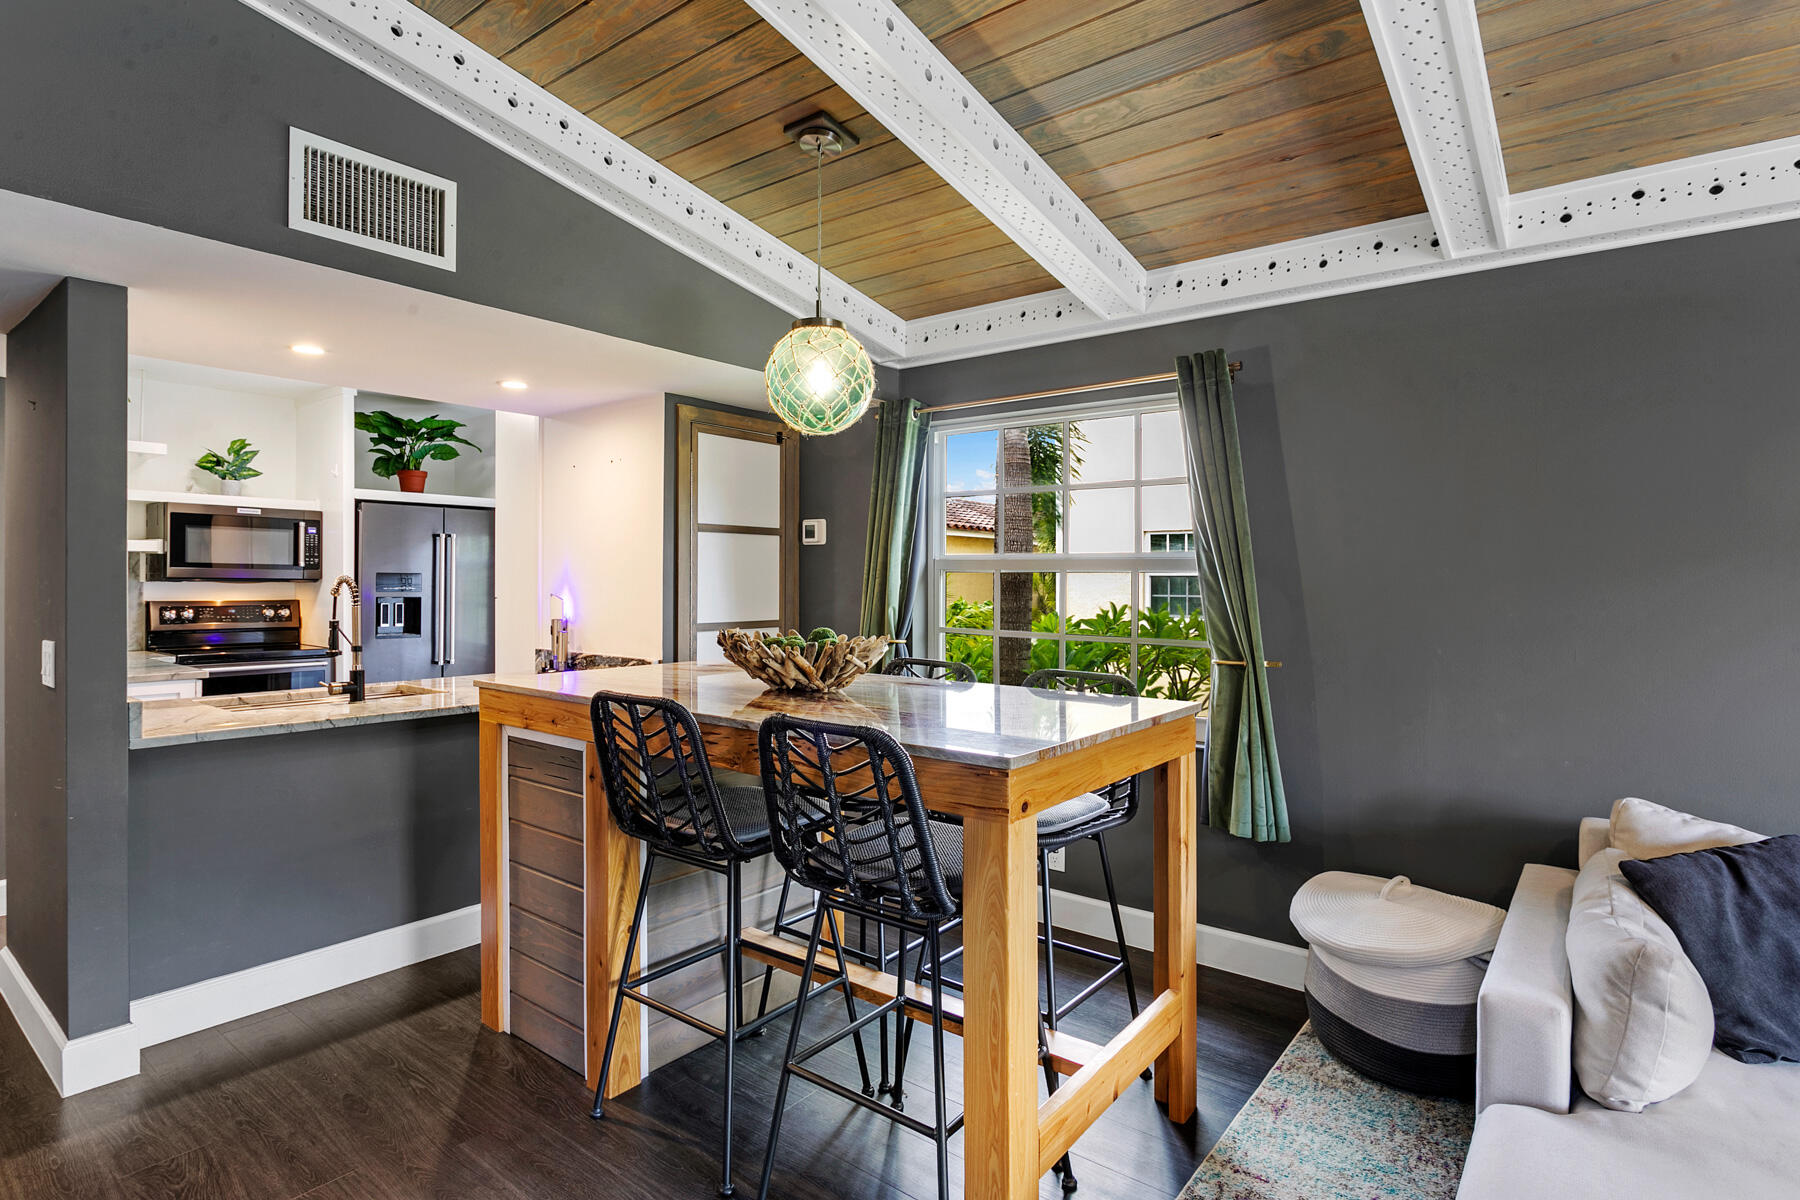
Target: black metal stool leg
1112	898
762	1006
862	1058
612	1030
734	999
1065	1170
937	1065
793	1044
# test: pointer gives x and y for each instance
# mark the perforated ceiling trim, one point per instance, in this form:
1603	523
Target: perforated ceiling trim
1430	51
871	50
396	42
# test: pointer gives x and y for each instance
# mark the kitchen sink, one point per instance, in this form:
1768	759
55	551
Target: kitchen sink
316	696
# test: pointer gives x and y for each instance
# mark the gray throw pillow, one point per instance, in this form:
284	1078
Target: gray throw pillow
1643	1022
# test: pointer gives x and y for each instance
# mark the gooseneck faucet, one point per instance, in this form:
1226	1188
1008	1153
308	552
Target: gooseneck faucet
354	687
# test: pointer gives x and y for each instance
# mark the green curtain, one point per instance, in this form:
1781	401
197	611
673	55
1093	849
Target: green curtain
888	555
1243	771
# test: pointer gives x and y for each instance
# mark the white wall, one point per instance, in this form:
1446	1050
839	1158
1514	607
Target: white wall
603	525
470	474
518	503
193	418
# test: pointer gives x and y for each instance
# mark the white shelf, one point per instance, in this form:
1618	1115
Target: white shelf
148	448
399	497
217	501
144	545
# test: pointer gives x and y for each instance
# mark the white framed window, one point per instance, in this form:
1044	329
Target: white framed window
1066	539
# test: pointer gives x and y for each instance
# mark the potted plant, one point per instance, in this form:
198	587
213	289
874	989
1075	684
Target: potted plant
232	467
402	445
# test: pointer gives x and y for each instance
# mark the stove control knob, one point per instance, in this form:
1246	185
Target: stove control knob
268	614
187	614
169	614
284	612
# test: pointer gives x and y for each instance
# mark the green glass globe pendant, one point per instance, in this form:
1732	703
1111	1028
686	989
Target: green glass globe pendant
819	377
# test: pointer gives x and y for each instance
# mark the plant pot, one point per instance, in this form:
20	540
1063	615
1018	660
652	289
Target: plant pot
231	487
412	481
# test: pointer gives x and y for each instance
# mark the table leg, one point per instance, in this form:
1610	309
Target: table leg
1175	887
492	911
612	888
1000	999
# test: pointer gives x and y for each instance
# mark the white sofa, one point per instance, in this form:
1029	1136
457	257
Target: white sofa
1734	1133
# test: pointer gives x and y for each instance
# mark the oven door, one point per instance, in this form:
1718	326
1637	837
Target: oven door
238	678
246	543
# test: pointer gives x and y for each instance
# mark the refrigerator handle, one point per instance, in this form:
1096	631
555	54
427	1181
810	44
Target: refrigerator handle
437	598
450	598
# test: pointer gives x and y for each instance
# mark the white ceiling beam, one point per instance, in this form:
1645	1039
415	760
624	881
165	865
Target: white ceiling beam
397	43
871	50
1431	54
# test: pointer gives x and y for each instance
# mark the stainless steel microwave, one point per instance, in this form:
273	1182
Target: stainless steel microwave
227	541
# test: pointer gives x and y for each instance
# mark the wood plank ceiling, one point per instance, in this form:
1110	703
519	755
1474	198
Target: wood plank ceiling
1588	87
706	87
1191	127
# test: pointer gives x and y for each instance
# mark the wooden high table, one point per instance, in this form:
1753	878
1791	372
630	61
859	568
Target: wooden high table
994	756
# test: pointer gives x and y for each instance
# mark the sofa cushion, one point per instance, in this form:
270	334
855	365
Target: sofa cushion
1645	830
1736	910
1643	1023
1729	1134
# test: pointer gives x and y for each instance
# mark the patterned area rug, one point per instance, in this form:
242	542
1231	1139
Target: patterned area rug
1317	1130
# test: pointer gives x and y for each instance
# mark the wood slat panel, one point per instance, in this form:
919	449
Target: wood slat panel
590	29
545	897
500	27
550	990
552	854
549	943
449	11
553	1036
546	808
1597	86
652	50
554	766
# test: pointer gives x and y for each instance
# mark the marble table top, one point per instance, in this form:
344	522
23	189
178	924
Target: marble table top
147	666
218	718
975	723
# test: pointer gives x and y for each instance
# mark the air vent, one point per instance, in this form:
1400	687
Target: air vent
349	195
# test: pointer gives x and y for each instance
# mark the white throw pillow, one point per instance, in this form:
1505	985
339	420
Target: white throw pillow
1645	830
1643	1021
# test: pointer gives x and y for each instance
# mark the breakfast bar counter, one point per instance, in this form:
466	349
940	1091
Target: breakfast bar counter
993	757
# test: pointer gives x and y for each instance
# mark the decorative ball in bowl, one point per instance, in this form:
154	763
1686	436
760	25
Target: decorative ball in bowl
822	661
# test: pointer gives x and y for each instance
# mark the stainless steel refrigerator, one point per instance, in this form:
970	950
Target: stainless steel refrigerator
427	579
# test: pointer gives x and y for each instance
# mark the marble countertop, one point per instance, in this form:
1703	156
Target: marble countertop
218	718
975	723
147	666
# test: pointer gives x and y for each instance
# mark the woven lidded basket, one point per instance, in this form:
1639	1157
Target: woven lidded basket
820	664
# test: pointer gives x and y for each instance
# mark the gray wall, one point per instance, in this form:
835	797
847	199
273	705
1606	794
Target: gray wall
248	851
65	766
1527	540
2	623
176	113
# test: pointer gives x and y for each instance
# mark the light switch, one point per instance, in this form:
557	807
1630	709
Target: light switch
47	664
812	532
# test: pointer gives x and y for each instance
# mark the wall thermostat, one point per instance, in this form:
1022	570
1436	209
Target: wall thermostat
812	533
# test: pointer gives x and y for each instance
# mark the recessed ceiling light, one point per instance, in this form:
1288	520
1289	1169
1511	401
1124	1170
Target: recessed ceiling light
513	385
307	348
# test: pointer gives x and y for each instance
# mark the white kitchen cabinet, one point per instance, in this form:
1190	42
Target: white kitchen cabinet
164	689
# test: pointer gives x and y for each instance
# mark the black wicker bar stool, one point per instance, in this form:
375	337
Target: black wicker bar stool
662	791
847	822
931	668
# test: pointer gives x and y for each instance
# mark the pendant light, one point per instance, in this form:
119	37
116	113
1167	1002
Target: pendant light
818	376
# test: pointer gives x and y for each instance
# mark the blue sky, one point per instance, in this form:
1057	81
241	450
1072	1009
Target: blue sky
969	460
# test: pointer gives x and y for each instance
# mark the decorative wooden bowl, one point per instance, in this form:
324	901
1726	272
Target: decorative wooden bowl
814	667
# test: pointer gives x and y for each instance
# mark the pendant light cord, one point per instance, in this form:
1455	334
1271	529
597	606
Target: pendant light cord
819	235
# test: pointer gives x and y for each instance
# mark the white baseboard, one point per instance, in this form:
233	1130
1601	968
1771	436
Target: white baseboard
2	897
73	1066
1239	953
184	1010
112	1054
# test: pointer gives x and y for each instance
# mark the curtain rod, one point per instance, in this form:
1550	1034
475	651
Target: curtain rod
1165	377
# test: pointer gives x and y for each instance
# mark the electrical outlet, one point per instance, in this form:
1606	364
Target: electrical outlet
1058	857
47	664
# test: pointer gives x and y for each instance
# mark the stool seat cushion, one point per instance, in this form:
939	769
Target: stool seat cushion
747	812
870	846
1059	818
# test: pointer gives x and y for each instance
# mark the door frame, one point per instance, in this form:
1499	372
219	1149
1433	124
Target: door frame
691	421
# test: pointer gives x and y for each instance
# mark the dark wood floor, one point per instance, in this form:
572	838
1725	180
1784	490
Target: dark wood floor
391	1089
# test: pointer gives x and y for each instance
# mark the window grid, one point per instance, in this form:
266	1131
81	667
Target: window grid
1141	568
